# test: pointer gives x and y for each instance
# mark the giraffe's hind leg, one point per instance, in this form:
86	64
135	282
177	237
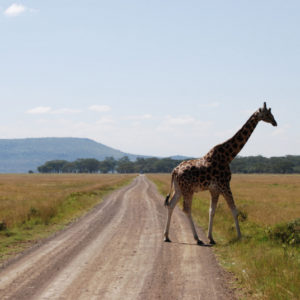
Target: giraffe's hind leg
187	205
171	205
229	199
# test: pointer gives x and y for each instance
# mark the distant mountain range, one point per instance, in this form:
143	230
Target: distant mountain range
22	155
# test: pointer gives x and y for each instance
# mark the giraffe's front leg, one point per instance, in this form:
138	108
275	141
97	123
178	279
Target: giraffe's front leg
187	204
235	214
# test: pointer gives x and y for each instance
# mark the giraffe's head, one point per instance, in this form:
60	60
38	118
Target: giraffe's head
265	114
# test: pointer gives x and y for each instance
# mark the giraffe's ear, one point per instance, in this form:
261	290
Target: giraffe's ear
260	110
269	109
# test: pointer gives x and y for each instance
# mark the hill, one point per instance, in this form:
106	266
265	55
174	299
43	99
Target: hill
21	155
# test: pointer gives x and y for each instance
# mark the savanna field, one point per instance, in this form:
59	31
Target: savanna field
265	264
32	206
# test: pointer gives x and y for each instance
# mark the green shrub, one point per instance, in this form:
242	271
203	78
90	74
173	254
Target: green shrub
243	215
33	212
288	233
3	225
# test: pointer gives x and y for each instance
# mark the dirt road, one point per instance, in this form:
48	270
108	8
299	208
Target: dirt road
117	252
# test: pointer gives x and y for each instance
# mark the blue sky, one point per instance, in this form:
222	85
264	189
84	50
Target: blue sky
151	77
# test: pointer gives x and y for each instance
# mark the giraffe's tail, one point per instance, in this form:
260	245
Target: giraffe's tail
168	196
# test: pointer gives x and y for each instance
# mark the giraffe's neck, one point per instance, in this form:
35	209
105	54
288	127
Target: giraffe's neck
234	145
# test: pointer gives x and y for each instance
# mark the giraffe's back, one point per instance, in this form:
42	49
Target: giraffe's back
200	174
192	175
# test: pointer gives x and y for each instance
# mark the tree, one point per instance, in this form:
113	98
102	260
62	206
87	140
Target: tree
108	165
125	165
87	165
53	166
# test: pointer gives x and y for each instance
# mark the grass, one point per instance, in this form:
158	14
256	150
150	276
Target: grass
32	206
266	262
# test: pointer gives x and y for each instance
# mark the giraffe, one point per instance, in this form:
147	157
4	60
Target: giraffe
211	172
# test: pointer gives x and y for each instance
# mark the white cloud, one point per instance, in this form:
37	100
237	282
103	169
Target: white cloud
105	121
184	126
184	120
100	108
63	111
39	110
15	10
48	110
138	117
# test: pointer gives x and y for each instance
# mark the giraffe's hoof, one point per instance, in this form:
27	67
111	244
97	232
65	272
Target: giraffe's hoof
212	241
167	240
200	243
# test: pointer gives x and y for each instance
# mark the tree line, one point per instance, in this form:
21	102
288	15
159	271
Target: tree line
250	164
110	165
258	164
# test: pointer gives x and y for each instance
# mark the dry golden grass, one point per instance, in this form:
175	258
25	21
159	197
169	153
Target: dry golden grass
25	194
33	206
268	199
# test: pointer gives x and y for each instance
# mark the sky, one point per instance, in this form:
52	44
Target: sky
152	77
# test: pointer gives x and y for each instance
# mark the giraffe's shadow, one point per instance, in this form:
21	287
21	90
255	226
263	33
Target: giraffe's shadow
192	244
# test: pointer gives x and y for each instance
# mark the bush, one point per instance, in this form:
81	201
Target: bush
288	233
3	225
